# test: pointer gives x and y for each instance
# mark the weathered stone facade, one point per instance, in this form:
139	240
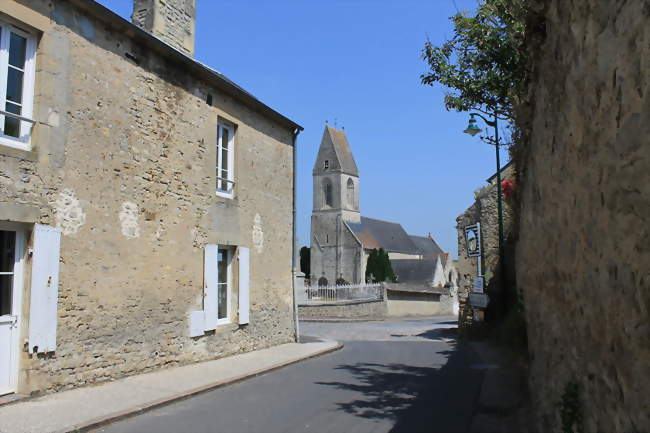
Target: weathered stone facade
173	21
126	169
484	210
583	255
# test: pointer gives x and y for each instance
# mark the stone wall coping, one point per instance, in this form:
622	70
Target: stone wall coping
337	303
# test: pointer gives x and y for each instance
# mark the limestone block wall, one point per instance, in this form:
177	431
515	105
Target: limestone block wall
584	250
126	170
344	309
402	304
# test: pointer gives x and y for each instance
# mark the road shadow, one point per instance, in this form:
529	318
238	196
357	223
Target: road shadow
439	334
415	398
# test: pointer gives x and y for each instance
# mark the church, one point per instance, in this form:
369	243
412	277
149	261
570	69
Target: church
341	238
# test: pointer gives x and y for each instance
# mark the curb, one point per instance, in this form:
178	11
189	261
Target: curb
341	320
117	416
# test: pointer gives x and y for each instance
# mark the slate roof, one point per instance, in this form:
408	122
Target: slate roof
427	246
342	149
413	270
390	236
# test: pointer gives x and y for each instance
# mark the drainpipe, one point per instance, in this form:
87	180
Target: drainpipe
293	239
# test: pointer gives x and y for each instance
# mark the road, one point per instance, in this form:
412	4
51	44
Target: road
407	375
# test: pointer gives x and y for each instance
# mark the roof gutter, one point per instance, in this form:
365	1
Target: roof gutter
212	77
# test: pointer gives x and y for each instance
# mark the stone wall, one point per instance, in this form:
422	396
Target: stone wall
584	244
173	21
126	170
403	304
344	310
483	210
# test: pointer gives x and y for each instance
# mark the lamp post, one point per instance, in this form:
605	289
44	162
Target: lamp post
473	129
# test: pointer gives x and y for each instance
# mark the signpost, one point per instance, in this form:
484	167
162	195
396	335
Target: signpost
478	300
478	285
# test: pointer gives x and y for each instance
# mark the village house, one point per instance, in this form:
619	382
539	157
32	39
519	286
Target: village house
146	201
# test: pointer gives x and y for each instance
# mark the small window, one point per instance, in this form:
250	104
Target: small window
224	283
17	50
328	193
350	192
326	165
225	160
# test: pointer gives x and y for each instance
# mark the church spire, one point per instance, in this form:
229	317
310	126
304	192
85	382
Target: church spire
334	154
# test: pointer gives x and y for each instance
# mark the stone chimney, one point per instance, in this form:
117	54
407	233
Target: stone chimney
169	20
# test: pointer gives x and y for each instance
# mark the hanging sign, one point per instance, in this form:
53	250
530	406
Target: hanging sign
478	300
473	240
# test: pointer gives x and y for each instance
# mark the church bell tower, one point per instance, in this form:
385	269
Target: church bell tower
336	201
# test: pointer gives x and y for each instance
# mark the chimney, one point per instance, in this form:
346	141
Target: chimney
172	21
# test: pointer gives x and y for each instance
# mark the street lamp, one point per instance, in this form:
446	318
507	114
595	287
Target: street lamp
473	129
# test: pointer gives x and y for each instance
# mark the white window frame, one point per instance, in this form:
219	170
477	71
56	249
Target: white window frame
24	141
230	179
17	301
229	259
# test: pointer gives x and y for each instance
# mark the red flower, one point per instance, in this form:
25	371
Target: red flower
508	188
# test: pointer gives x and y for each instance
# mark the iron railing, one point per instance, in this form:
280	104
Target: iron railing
345	292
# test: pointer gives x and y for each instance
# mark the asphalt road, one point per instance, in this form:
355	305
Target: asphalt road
392	376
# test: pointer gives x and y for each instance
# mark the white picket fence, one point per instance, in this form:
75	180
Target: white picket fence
346	292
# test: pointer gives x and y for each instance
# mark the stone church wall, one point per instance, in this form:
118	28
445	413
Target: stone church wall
584	243
126	169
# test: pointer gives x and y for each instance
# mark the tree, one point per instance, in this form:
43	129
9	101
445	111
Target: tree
305	258
378	268
484	63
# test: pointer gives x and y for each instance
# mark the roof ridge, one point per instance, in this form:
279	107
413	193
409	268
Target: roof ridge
384	221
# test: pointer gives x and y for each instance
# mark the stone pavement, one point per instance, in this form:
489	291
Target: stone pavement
502	405
85	408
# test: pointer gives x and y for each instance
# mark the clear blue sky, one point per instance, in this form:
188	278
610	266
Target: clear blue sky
357	61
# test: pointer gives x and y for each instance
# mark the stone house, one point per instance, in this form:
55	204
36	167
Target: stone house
146	201
483	211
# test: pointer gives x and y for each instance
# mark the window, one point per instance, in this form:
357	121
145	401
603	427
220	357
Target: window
224	259
327	164
7	261
225	160
17	49
327	192
350	192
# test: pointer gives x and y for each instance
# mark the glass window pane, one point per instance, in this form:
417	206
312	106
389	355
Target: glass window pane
12	126
6	285
222	308
224	138
224	185
7	251
17	50
222	265
224	159
15	85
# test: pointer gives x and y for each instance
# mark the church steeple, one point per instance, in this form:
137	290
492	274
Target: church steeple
334	154
336	177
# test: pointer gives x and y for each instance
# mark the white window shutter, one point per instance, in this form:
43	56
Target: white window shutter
45	289
197	323
244	285
211	286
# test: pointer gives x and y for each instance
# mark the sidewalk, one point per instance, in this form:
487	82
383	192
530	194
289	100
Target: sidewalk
85	408
503	406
